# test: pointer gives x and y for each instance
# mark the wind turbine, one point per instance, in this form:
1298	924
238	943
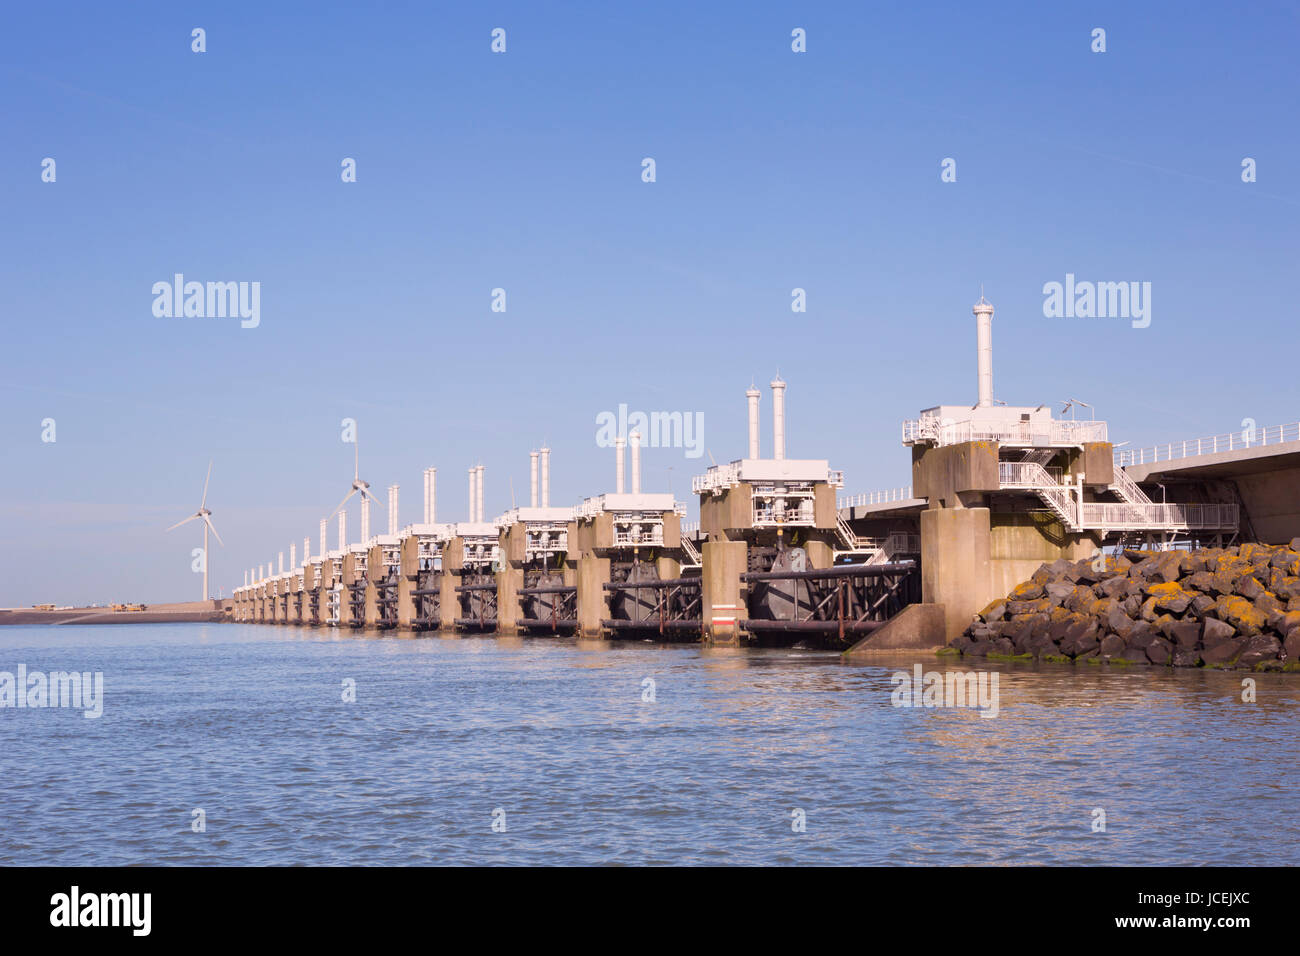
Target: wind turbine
358	487
206	516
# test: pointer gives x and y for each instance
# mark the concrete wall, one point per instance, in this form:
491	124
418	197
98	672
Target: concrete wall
1019	543
944	475
724	563
1272	502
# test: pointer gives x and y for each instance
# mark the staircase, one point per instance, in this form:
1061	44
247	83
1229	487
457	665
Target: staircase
853	544
1032	476
692	552
1127	489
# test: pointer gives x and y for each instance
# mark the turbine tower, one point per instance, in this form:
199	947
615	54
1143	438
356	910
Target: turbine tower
205	516
358	487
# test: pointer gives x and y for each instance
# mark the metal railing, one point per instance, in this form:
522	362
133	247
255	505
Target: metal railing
1028	474
853	543
932	430
1232	441
716	479
653	535
1033	476
692	552
875	497
1137	517
1128	489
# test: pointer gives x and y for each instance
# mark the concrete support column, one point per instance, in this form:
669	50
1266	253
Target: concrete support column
375	563
408	575
724	563
593	573
448	599
324	581
308	589
955	564
821	554
348	577
509	580
668	568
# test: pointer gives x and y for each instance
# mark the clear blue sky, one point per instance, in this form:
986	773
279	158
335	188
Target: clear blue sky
522	170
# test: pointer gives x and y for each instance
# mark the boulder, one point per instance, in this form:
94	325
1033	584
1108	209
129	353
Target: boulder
1141	635
1117	622
1188	633
1029	591
1185	658
995	611
1037	606
1250	588
1159	651
979	648
1222	582
1222	652
1111	646
1058	591
1166	567
1169	597
1201	605
1241	614
1291	646
1260	648
1080	639
1215	631
1111	587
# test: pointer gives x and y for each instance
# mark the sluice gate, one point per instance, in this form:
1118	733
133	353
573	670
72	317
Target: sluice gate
838	604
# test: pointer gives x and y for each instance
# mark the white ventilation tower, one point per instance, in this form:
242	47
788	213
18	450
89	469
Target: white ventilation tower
636	463
281	571
478	495
473	501
753	395
620	468
324	545
532	477
343	530
306	549
392	509
430	495
293	555
778	418
984	344
546	477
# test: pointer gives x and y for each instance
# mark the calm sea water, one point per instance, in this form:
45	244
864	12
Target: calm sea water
248	724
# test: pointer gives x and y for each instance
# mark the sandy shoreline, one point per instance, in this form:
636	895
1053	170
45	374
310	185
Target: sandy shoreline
185	611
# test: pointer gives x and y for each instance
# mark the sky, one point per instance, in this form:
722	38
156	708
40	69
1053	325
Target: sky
522	170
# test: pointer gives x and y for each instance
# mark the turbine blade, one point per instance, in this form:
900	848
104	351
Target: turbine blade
356	457
204	503
372	498
343	502
183	521
214	530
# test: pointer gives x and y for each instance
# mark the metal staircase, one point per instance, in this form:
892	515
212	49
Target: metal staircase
1128	489
853	543
1032	476
692	552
